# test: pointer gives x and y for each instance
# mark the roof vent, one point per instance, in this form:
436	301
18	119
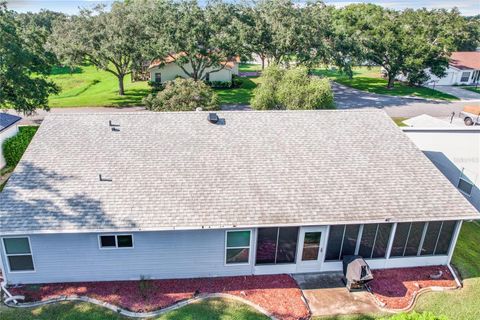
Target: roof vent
212	117
101	178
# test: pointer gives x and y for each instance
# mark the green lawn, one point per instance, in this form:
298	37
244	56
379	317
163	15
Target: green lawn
369	79
399	121
218	309
473	89
241	95
87	86
249	67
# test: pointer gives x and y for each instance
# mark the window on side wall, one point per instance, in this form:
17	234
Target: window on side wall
116	241
158	77
19	254
237	247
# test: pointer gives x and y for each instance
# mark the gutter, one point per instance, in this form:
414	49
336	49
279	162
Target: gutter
223	227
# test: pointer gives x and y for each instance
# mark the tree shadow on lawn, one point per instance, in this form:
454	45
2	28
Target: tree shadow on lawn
132	97
239	95
59	70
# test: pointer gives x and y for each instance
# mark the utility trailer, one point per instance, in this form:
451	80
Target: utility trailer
470	115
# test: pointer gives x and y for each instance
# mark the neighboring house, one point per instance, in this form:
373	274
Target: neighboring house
8	128
167	70
463	69
100	197
455	152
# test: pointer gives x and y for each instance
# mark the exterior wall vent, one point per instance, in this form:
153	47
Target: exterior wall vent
212	117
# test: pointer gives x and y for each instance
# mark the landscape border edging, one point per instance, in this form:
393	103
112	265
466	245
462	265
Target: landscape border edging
151	314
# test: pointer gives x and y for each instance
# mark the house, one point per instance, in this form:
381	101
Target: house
99	197
463	69
8	128
455	151
167	70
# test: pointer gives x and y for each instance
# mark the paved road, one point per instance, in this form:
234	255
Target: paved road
348	98
345	98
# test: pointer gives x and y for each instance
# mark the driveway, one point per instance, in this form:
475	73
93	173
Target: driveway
462	94
349	98
327	295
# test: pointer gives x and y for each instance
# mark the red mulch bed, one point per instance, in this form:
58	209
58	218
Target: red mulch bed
397	287
279	294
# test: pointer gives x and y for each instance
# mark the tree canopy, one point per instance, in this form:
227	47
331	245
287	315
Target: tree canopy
24	66
196	38
183	95
291	89
111	41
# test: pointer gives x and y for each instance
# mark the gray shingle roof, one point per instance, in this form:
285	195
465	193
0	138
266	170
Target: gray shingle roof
7	120
177	170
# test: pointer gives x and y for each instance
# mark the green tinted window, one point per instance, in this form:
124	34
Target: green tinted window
16	245
238	239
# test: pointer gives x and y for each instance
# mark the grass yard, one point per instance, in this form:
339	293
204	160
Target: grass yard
210	309
249	67
473	89
369	79
88	86
241	95
399	121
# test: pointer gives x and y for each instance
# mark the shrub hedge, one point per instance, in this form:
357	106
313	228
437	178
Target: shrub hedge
14	147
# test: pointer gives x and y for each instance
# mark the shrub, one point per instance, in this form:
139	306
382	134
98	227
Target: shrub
220	84
156	86
14	147
417	316
183	95
292	89
236	81
265	95
298	91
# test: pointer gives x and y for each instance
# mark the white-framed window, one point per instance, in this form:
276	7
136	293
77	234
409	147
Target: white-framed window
158	77
115	241
465	185
19	254
465	76
237	246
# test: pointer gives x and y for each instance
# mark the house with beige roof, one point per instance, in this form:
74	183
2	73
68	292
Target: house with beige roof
99	197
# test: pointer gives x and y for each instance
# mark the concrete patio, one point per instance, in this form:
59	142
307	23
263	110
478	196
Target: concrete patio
327	295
